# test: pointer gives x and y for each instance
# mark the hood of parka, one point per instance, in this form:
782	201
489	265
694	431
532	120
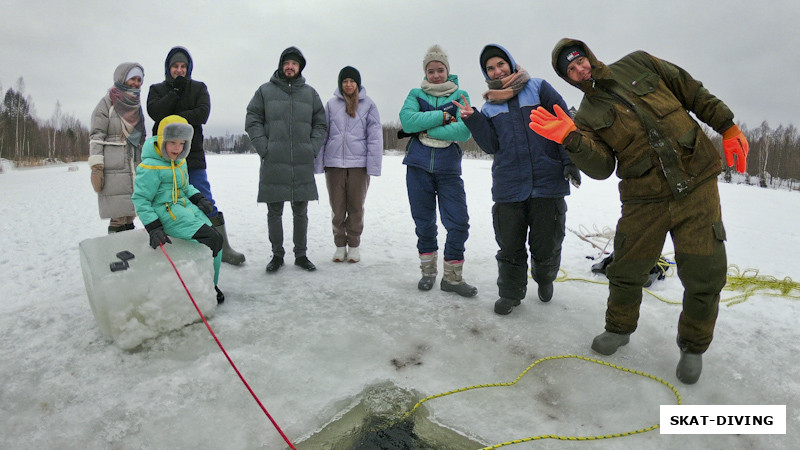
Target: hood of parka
599	70
189	66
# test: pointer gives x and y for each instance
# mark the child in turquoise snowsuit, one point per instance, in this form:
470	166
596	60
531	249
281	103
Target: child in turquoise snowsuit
165	201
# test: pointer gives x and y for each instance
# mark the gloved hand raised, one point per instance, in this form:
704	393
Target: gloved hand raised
734	143
157	234
178	85
556	128
203	203
572	174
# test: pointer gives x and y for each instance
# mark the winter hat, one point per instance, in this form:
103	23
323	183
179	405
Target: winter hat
178	57
435	53
349	72
294	54
566	56
175	128
489	52
136	71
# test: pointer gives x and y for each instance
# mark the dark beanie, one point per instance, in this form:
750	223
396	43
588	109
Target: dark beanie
349	72
293	53
566	56
489	52
179	56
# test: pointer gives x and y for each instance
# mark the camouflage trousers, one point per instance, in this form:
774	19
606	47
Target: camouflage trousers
695	225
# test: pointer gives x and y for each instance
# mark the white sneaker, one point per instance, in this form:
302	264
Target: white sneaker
353	255
340	254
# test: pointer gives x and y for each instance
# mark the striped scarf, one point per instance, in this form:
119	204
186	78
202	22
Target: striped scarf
127	105
502	90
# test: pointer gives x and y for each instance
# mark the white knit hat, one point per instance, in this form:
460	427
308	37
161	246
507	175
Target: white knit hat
135	71
435	53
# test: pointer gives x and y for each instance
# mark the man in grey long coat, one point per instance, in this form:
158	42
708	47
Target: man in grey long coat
286	124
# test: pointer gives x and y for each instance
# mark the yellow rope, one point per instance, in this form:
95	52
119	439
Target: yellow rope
751	283
748	281
551	436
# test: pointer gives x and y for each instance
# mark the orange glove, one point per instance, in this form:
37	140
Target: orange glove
556	128
734	143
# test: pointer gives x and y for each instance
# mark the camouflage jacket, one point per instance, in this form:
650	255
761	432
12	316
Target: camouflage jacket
635	116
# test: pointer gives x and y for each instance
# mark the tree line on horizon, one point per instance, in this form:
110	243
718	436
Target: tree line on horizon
774	158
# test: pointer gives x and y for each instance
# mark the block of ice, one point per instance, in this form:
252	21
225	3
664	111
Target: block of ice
146	298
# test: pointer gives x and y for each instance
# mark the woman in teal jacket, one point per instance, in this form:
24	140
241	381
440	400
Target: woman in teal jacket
165	201
433	160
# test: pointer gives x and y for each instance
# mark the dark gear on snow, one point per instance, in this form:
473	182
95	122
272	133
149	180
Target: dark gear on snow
658	272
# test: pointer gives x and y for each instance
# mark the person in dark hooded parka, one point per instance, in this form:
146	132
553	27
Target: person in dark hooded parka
529	177
181	95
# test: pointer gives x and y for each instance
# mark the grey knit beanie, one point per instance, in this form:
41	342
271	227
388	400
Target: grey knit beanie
435	53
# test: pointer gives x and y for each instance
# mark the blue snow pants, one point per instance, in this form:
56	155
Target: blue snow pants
424	189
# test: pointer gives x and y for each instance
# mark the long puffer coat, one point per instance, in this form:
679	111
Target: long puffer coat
108	146
286	124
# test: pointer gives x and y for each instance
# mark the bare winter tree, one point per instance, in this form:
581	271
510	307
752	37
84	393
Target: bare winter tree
55	124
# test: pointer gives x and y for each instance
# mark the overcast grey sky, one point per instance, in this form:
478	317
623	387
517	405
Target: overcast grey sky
67	51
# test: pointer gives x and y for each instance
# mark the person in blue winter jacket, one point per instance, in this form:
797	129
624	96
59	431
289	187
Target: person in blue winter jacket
530	176
165	201
433	160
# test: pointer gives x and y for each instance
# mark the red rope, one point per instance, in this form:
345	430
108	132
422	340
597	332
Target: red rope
226	353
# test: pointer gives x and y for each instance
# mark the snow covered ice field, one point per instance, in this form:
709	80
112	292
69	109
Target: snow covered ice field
310	343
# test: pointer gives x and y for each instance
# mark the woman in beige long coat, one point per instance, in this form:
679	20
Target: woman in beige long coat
115	146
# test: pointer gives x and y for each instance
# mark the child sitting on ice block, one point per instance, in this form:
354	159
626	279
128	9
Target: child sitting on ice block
165	201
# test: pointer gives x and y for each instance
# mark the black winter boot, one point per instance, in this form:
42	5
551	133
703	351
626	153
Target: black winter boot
304	263
275	264
545	292
504	305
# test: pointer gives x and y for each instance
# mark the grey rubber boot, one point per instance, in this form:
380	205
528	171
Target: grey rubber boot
607	343
428	266
452	280
229	255
689	367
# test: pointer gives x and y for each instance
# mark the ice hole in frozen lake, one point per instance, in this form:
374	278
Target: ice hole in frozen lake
374	420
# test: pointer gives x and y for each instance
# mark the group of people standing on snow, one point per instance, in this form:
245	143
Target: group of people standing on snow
634	117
